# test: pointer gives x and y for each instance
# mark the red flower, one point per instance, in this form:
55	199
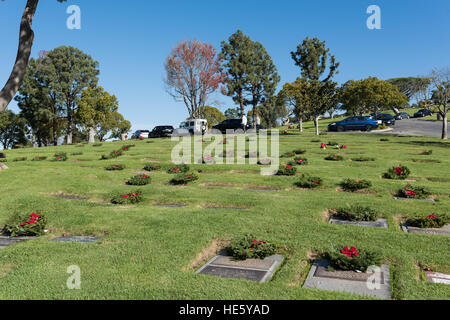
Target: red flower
344	147
315	182
259	241
136	194
432	217
299	160
125	196
144	177
116	165
323	146
288	167
176	169
398	171
410	192
58	158
350	253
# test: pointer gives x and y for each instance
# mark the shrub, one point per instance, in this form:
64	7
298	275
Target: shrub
26	225
298	161
19	159
39	158
299	151
307	181
431	221
129	198
287	170
184	178
397	173
363	159
427	153
60	156
354	185
250	248
334	157
356	213
139	180
152	167
115	167
413	192
180	168
352	259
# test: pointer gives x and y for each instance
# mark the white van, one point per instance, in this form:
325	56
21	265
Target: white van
195	126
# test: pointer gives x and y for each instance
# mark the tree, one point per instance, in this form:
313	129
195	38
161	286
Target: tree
236	56
26	38
270	111
371	95
69	72
193	73
295	99
12	129
412	87
440	79
261	80
313	59
232	113
39	104
96	108
213	115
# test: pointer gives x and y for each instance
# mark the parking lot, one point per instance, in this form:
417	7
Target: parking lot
416	127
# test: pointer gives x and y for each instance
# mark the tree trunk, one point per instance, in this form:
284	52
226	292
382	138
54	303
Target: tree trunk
254	117
91	135
69	122
300	124
445	127
26	38
316	124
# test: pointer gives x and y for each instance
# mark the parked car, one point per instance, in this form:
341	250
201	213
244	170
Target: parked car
229	124
385	118
162	131
402	115
423	113
196	126
354	123
141	133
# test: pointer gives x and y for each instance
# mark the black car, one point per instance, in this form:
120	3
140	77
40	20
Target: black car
229	124
386	118
162	132
402	115
423	113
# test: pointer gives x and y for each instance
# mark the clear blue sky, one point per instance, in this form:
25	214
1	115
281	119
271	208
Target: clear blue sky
131	40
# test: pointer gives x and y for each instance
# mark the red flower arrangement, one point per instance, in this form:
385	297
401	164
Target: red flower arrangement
34	218
398	171
432	217
343	146
129	198
410	192
350	253
285	132
323	146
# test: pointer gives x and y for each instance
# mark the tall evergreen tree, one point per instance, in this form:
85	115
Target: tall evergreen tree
318	67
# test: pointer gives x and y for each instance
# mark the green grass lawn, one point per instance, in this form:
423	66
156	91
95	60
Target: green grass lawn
147	251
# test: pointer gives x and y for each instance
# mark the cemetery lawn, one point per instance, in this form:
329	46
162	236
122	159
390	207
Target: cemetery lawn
152	252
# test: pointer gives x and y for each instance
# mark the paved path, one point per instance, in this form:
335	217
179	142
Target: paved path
416	127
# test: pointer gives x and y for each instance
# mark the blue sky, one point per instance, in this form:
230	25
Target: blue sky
131	40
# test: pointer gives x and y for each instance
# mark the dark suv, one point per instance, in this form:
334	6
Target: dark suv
229	124
423	113
162	131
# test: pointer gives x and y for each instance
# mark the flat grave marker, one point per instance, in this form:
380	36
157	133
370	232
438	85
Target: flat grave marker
6	241
348	281
445	230
251	269
436	277
80	239
380	223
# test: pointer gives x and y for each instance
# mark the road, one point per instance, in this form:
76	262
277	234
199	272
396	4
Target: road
416	127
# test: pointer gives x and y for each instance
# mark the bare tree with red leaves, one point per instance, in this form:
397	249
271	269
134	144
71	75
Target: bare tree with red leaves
193	73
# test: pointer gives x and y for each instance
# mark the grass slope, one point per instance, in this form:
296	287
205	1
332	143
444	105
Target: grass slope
146	251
